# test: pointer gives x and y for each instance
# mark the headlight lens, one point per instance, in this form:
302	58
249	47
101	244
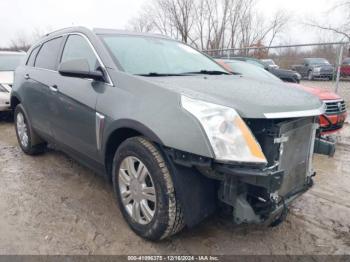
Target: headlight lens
317	69
229	136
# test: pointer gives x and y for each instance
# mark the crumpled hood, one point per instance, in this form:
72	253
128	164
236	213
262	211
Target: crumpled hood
6	77
250	98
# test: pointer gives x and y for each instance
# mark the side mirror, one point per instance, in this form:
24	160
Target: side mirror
79	68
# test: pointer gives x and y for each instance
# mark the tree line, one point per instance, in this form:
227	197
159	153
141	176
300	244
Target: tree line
211	24
216	24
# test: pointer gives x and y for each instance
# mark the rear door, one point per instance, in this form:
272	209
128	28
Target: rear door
40	74
74	114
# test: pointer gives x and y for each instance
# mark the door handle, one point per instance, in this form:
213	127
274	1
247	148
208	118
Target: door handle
54	88
26	76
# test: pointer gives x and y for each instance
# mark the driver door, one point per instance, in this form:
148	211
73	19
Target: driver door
74	123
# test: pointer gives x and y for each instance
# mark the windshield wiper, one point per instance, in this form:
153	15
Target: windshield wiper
155	74
202	72
207	72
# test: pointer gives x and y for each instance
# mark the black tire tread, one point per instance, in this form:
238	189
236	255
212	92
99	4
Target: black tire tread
176	219
36	145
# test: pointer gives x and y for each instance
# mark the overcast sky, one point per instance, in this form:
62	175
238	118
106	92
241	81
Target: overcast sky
23	16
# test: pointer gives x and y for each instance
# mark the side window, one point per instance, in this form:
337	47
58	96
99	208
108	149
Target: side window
31	59
77	47
48	54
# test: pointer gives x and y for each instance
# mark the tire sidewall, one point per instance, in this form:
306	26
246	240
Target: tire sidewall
20	109
156	228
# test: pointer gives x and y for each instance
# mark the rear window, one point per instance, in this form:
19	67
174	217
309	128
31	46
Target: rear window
48	54
9	62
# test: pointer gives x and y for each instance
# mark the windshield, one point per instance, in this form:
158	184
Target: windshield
147	55
250	70
317	61
10	62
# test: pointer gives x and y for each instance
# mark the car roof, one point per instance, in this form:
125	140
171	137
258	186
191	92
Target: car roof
106	31
102	31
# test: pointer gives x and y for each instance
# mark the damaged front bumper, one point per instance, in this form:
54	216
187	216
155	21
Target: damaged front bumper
253	193
254	197
261	195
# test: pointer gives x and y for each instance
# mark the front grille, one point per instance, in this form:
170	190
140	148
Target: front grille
327	71
335	107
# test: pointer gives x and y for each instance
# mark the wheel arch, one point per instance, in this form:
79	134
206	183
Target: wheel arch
118	132
202	196
14	101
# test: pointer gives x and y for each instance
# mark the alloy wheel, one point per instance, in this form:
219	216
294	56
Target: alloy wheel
22	129
137	190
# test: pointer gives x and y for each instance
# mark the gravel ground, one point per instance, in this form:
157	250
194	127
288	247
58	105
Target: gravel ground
50	204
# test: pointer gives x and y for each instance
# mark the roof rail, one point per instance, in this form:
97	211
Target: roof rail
62	29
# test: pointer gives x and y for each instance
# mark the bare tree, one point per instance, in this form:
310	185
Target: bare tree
23	40
181	14
142	24
210	24
342	29
277	25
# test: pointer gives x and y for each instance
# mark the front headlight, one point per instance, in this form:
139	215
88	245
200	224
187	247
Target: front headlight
229	136
317	69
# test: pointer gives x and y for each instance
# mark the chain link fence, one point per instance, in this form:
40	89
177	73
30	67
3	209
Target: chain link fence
334	77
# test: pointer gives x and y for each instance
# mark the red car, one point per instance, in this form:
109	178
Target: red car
345	68
335	116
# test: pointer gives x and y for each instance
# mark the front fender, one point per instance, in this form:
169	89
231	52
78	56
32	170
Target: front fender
154	112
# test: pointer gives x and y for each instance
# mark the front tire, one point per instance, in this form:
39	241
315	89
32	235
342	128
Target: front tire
28	140
144	190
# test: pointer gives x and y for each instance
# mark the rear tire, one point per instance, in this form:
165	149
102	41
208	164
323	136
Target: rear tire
154	213
29	141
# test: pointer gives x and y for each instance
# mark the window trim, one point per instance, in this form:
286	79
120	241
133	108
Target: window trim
31	53
41	46
67	35
59	57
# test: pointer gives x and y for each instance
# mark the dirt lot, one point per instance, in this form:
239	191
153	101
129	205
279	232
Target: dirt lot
52	205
